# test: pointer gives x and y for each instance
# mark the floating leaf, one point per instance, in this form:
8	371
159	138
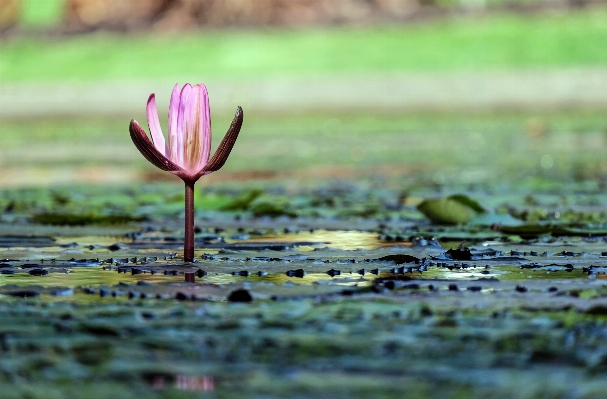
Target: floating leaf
455	209
469	202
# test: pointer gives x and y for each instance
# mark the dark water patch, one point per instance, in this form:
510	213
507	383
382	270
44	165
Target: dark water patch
240	295
117	246
26	241
334	272
551	267
473	255
38	272
23	293
399	259
296	273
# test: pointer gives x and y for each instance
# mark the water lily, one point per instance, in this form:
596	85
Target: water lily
187	151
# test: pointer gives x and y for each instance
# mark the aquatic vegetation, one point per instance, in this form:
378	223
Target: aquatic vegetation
187	152
451	210
67	219
338	301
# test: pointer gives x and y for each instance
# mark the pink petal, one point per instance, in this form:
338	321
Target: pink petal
180	149
205	112
197	134
173	128
154	125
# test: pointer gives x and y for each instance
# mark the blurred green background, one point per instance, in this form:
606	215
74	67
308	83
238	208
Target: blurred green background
439	90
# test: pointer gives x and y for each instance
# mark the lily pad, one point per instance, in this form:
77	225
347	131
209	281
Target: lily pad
455	209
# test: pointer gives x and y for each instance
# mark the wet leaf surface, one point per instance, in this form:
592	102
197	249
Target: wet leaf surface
352	293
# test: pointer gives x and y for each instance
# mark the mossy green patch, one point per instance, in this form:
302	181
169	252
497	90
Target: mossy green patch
66	219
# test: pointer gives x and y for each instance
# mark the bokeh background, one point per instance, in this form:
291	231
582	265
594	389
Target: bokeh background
431	90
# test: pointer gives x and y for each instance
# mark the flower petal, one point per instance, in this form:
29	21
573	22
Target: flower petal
149	150
197	134
205	112
154	125
224	149
173	128
179	150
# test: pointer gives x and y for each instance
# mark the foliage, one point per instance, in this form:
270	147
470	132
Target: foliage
494	41
66	219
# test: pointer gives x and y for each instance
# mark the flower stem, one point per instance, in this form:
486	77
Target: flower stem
188	242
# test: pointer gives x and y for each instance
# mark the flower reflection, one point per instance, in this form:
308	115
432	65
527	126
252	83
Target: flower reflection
203	383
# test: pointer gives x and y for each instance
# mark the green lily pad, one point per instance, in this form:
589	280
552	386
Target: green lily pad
469	202
455	209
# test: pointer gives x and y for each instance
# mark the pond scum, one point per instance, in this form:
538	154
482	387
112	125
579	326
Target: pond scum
341	290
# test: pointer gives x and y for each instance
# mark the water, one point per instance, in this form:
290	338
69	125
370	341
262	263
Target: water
329	260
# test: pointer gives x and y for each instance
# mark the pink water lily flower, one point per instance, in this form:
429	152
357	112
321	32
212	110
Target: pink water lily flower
186	154
187	151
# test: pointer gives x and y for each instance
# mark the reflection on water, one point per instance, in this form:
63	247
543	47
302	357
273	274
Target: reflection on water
96	241
86	276
340	239
203	383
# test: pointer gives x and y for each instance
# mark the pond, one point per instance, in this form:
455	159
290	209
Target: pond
316	274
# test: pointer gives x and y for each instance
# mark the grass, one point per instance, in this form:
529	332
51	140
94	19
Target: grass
41	13
495	41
